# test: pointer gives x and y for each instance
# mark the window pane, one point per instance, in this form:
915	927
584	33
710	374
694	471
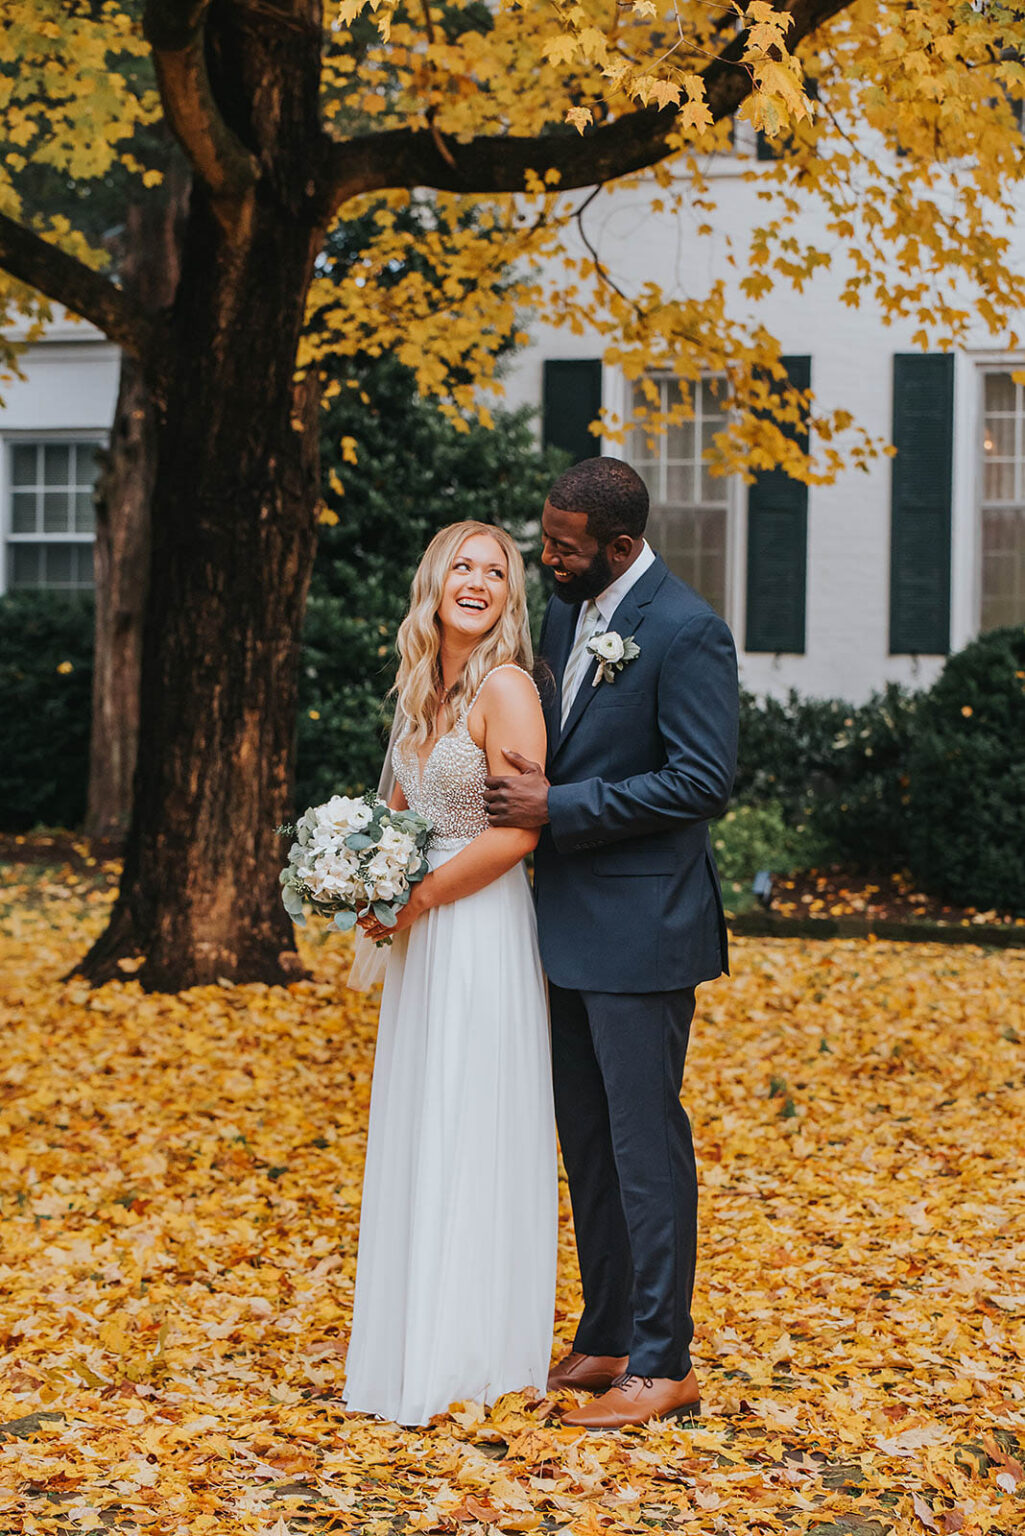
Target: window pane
680	483
1000	392
56	512
23	464
640	397
680	441
85	512
56	464
999	437
26	565
711	404
82	565
675	392
998	480
649	474
23	511
86	464
1003	567
713	487
57	564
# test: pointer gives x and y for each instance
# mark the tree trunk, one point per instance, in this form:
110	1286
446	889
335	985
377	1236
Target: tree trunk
149	271
233	540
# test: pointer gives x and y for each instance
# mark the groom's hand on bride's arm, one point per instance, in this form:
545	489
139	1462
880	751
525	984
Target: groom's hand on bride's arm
521	800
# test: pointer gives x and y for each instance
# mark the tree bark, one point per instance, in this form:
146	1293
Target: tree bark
235	488
149	272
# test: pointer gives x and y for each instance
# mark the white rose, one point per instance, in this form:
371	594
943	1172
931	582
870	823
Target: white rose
609	646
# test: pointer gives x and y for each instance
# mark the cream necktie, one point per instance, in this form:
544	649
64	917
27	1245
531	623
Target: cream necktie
578	658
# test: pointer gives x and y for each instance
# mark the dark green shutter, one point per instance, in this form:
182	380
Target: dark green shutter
923	434
777	548
572	400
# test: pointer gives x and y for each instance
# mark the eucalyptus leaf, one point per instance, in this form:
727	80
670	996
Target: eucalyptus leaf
345	921
385	913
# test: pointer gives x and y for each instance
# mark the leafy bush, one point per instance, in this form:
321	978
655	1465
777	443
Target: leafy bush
786	750
750	838
46	643
967	763
839	769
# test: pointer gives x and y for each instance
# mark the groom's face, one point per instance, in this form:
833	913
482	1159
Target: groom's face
580	565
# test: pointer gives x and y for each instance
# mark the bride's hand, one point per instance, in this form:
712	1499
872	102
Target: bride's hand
415	907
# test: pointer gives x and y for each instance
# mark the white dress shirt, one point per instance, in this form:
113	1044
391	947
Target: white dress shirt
607	602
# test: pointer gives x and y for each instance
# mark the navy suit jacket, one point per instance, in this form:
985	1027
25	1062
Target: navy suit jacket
627	890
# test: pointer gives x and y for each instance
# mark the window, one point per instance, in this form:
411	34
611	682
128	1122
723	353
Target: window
51	520
689	507
1003	502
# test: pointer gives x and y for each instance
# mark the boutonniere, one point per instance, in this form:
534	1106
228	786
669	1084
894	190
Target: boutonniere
612	653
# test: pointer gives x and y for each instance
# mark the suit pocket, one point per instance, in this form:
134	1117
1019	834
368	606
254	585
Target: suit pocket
607	700
635	859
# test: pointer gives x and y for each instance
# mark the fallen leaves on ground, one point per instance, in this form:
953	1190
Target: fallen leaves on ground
892	897
179	1202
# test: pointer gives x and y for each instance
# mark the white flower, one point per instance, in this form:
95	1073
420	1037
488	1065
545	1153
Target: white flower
333	875
608	646
344	815
397	842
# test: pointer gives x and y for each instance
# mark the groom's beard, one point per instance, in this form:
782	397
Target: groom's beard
588	583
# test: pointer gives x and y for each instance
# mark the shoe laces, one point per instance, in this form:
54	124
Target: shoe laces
629	1376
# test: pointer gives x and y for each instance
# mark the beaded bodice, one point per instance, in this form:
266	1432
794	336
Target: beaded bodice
449	788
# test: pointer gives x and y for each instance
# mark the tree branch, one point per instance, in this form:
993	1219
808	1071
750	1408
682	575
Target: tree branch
409	157
39	264
174	30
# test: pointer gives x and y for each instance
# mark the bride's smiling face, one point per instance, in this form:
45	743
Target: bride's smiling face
476	588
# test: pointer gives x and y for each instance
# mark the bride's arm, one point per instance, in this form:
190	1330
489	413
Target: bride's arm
507	714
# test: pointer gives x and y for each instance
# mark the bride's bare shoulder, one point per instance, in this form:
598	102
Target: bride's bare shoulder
508	697
507	687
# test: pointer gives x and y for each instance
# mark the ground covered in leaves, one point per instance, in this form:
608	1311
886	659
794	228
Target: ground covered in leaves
893	897
179	1201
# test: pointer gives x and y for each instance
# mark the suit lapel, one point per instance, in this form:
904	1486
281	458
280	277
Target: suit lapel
626	621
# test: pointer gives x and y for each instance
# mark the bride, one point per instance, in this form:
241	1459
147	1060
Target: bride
455	1277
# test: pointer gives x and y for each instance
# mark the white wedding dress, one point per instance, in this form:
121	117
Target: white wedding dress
455	1277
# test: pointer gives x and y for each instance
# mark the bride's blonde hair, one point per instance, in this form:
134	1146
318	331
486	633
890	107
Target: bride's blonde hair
418	686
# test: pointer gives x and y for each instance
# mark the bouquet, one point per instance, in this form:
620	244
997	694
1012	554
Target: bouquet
351	857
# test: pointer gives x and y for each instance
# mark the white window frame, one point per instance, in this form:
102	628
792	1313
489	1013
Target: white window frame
617	391
1005	363
8	441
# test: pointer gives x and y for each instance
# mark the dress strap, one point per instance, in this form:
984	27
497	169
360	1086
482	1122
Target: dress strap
502	667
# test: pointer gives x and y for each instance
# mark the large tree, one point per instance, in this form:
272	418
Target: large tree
292	115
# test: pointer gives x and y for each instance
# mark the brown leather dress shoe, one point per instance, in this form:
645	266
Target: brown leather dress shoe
588	1373
638	1400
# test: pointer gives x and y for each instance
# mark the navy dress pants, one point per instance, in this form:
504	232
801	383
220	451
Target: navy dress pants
618	1064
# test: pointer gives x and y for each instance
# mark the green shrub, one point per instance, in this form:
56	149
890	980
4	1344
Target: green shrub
967	765
837	768
46	645
860	805
786	749
750	838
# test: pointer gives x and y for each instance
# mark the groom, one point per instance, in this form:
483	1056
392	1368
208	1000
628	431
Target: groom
630	920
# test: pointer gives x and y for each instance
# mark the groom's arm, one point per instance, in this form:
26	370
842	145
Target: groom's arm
698	709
